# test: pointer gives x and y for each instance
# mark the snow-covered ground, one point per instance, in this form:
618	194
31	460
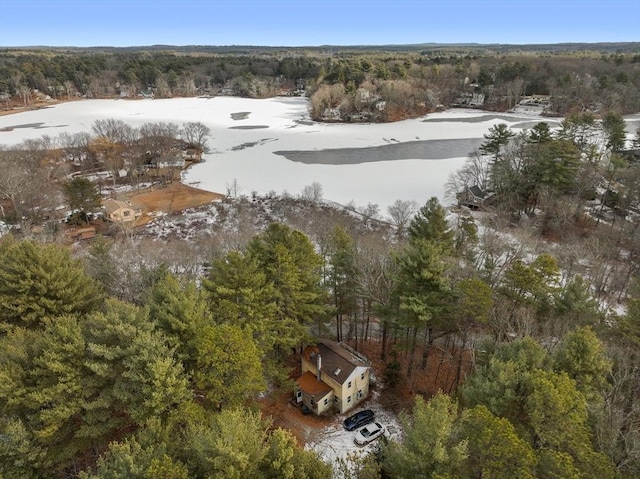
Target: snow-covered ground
334	444
246	133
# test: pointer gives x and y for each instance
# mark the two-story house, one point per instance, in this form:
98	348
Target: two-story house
333	376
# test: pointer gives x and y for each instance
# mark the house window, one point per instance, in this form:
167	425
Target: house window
349	385
126	212
349	399
326	401
335	399
362	376
359	393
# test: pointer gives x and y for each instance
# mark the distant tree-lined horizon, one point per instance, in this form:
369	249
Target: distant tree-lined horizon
410	80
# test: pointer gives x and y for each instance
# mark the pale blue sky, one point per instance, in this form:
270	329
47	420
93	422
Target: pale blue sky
312	23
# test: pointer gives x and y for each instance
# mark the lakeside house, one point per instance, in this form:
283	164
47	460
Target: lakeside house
474	197
172	159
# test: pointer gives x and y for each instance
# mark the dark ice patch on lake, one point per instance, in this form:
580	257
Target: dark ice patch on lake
248	127
410	150
527	125
241	115
251	144
35	126
476	119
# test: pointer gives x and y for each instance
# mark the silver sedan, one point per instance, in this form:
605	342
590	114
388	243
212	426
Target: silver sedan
368	433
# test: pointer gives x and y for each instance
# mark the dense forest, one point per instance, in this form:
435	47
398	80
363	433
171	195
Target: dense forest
134	357
344	83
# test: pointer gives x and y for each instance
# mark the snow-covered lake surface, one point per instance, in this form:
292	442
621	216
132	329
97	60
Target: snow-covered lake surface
272	145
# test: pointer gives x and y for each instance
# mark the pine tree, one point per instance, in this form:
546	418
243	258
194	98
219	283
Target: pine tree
82	195
545	407
494	448
574	305
342	276
239	294
129	459
131	374
180	312
40	281
540	133
532	285
228	367
582	356
292	266
557	416
422	290
615	130
496	140
430	224
428	447
80	381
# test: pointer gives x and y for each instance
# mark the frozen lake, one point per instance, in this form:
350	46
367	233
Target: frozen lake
272	145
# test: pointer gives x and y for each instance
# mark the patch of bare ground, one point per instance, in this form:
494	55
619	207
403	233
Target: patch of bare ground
442	369
170	198
284	413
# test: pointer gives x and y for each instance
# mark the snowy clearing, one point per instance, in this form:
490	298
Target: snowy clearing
335	444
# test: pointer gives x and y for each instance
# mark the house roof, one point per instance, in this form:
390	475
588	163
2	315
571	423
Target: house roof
338	359
310	385
82	233
477	192
112	205
172	156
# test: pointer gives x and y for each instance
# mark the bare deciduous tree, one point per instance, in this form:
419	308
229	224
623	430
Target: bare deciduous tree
233	189
25	178
158	137
375	275
195	133
401	212
116	131
14	181
369	212
110	153
312	192
474	172
327	96
75	147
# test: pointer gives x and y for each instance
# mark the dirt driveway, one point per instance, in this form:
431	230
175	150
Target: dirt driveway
280	408
172	198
